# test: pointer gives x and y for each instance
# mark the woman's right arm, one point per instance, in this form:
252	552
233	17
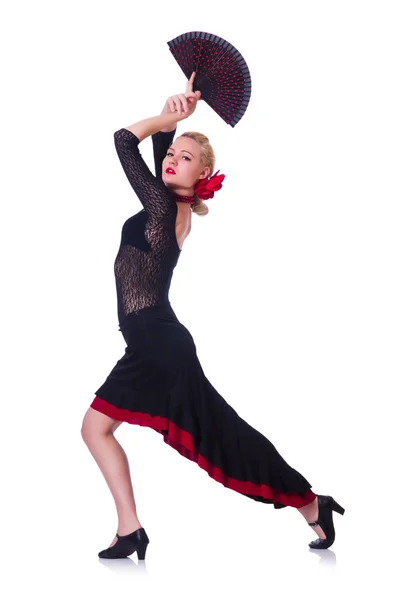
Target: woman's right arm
151	191
146	127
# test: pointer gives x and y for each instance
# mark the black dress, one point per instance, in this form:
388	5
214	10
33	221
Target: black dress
159	382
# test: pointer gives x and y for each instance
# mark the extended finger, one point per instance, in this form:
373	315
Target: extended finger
189	83
191	94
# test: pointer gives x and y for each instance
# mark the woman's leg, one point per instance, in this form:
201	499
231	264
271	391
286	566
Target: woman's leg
310	514
97	432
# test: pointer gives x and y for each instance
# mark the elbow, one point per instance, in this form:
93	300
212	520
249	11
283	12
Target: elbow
125	137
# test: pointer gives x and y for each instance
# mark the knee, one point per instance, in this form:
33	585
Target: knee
96	424
84	431
87	429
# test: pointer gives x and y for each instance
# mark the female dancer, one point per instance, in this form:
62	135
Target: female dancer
159	381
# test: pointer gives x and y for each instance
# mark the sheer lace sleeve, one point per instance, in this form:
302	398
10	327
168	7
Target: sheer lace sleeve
156	199
162	140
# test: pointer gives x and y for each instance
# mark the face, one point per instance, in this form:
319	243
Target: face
183	156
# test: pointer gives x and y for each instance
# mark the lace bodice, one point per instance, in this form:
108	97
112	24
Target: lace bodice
148	250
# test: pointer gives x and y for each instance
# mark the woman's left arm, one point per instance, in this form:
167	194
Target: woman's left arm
161	141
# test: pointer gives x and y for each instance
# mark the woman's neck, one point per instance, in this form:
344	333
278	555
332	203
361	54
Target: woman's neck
183	198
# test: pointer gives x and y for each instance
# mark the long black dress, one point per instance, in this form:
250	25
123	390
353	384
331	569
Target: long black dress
159	382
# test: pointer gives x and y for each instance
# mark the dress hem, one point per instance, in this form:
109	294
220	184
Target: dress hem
182	441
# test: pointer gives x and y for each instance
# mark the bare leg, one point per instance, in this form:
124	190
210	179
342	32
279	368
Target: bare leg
97	432
310	513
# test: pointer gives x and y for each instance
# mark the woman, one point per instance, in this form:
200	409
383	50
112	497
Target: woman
159	382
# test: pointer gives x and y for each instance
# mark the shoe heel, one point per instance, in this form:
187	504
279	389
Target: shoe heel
337	507
141	550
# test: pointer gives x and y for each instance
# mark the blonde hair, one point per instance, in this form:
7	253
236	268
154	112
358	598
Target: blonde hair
208	159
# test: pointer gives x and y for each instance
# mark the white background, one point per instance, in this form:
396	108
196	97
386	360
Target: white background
288	287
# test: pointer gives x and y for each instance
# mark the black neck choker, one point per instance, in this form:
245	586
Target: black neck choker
188	199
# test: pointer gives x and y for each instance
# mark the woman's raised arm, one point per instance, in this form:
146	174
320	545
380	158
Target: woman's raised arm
178	108
146	127
161	141
151	190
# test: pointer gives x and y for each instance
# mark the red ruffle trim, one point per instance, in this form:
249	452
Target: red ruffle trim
182	441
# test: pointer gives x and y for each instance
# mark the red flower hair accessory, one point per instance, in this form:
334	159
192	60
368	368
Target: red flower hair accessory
205	188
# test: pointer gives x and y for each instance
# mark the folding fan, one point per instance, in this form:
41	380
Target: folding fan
222	75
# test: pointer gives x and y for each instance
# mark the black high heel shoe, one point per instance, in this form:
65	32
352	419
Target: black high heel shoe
127	544
326	504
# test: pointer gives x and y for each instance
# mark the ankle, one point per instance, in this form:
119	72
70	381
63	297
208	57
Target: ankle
309	511
128	524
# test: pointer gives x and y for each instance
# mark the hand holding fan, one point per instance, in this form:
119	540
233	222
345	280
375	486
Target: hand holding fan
222	75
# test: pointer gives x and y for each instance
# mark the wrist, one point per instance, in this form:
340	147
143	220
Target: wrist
169	128
174	118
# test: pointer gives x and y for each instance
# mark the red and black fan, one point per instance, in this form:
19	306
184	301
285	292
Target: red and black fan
222	75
